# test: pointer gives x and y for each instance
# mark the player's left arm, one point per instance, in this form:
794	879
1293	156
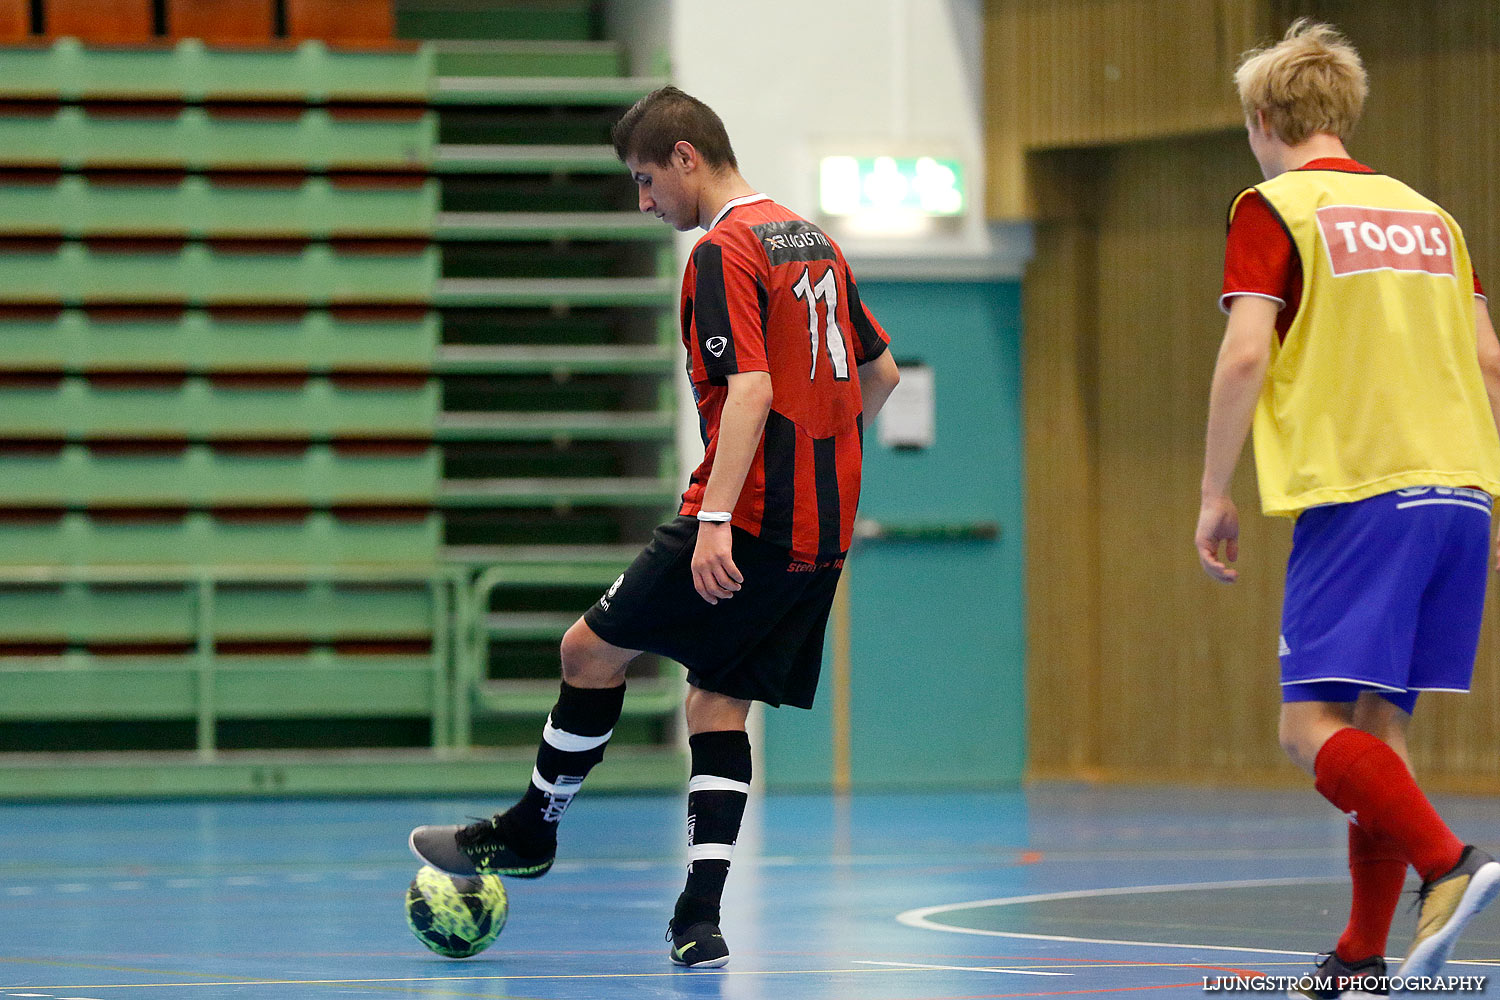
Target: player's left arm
741	425
877	380
1489	366
1244	356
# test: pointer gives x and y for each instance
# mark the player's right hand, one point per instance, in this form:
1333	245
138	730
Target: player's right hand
715	576
1218	521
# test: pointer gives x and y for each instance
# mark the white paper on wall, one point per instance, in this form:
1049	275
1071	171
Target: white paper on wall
909	417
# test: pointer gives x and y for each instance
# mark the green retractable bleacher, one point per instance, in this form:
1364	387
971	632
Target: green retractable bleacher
219	530
335	381
558	346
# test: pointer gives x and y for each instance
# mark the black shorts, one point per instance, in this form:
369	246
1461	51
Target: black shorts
763	644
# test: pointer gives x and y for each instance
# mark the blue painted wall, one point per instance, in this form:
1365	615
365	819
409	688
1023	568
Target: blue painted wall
938	628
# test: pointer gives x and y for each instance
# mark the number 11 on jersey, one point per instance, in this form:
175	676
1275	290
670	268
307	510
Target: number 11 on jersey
826	289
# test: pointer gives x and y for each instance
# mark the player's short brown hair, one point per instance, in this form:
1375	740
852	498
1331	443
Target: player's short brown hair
663	118
1311	81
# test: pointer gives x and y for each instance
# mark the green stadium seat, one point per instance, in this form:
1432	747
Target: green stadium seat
197	138
555	293
217	471
645	697
527	58
227	273
457	158
197	341
461	226
549	91
79	477
579	491
192	72
568	425
131	613
202	538
75	408
558	20
596	562
323	612
198	207
559	361
320	683
528	626
123	613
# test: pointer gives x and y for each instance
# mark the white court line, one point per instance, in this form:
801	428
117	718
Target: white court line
920	917
962	968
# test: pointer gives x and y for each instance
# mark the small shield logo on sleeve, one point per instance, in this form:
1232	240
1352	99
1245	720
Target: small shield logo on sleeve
716	345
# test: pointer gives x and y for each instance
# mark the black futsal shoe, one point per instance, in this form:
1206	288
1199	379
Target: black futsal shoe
477	849
698	946
1336	981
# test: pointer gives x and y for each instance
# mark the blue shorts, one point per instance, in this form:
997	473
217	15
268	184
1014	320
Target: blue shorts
1385	594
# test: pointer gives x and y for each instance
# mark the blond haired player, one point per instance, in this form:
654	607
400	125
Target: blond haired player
1359	345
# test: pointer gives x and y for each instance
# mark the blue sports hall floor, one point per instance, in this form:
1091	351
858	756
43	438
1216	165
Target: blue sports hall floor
1055	891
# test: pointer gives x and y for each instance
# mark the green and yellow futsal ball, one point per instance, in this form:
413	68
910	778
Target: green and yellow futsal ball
454	915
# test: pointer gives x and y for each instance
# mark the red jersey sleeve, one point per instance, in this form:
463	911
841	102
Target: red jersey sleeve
728	321
1259	258
1478	288
870	339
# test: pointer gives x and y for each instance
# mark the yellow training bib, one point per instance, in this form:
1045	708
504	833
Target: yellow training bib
1376	386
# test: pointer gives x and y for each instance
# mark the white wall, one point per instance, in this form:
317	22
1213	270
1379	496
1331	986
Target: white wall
796	80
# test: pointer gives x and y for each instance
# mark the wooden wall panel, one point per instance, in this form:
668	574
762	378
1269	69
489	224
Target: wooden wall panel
1061	500
1174	677
1068	73
1192	663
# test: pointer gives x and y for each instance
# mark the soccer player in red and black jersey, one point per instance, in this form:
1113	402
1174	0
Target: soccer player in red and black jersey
787	367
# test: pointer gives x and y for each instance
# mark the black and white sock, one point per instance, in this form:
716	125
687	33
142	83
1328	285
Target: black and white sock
717	793
573	741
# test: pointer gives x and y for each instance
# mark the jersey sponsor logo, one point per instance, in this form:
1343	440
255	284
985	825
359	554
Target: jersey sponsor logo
716	345
793	239
800	566
1360	239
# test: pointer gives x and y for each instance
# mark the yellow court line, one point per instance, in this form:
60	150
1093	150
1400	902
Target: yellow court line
60	964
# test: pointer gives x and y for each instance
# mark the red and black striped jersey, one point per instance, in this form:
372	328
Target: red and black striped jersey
766	290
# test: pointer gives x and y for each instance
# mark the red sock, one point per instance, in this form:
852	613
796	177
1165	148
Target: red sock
1366	779
1378	870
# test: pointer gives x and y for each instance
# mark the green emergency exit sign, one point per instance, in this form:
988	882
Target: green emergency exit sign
923	185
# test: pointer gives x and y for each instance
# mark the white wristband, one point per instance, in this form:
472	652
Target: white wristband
715	516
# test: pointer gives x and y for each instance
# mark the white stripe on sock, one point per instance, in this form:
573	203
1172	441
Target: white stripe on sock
710	852
563	788
567	742
714	783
